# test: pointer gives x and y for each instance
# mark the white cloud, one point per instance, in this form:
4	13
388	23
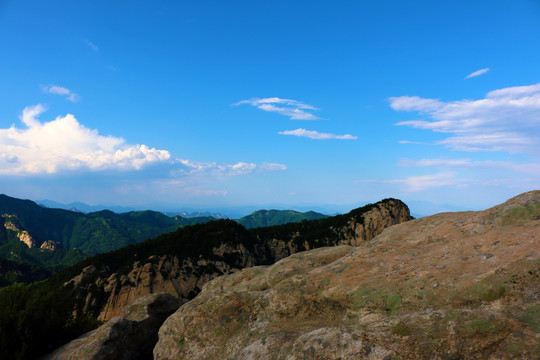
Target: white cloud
515	92
506	120
412	142
91	45
272	167
434	162
190	167
60	90
312	134
294	109
477	73
65	144
425	182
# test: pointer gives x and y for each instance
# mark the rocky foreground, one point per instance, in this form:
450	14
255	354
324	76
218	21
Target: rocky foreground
450	286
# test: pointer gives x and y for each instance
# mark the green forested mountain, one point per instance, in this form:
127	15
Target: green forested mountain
264	218
14	271
75	235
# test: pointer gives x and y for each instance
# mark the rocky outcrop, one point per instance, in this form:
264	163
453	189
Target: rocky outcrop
354	229
131	336
50	245
181	277
450	286
224	247
11	223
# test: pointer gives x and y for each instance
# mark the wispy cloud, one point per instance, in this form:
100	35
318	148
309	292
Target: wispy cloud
294	109
312	134
91	45
425	182
199	179
477	73
506	120
60	90
526	168
190	167
412	142
65	144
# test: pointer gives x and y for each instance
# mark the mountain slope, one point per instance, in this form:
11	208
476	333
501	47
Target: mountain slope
13	271
449	286
263	218
69	236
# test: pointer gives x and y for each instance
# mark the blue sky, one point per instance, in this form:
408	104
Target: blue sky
216	104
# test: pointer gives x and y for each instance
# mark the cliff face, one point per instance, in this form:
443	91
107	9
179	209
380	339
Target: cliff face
181	277
11	223
450	286
224	248
354	228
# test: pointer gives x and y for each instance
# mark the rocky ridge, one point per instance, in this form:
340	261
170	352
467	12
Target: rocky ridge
450	286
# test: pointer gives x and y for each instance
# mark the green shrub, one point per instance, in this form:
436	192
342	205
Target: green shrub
401	329
392	303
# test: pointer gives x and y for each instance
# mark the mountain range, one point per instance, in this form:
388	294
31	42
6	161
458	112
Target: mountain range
371	284
180	262
56	238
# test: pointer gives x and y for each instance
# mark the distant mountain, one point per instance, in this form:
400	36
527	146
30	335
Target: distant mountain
85	208
56	238
264	218
82	207
185	214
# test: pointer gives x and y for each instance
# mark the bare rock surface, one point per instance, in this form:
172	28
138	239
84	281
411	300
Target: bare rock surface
50	245
11	222
130	336
460	285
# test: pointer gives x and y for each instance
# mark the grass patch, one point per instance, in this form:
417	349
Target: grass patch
474	296
181	343
324	282
516	215
492	294
512	349
532	317
364	296
482	326
401	329
392	304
